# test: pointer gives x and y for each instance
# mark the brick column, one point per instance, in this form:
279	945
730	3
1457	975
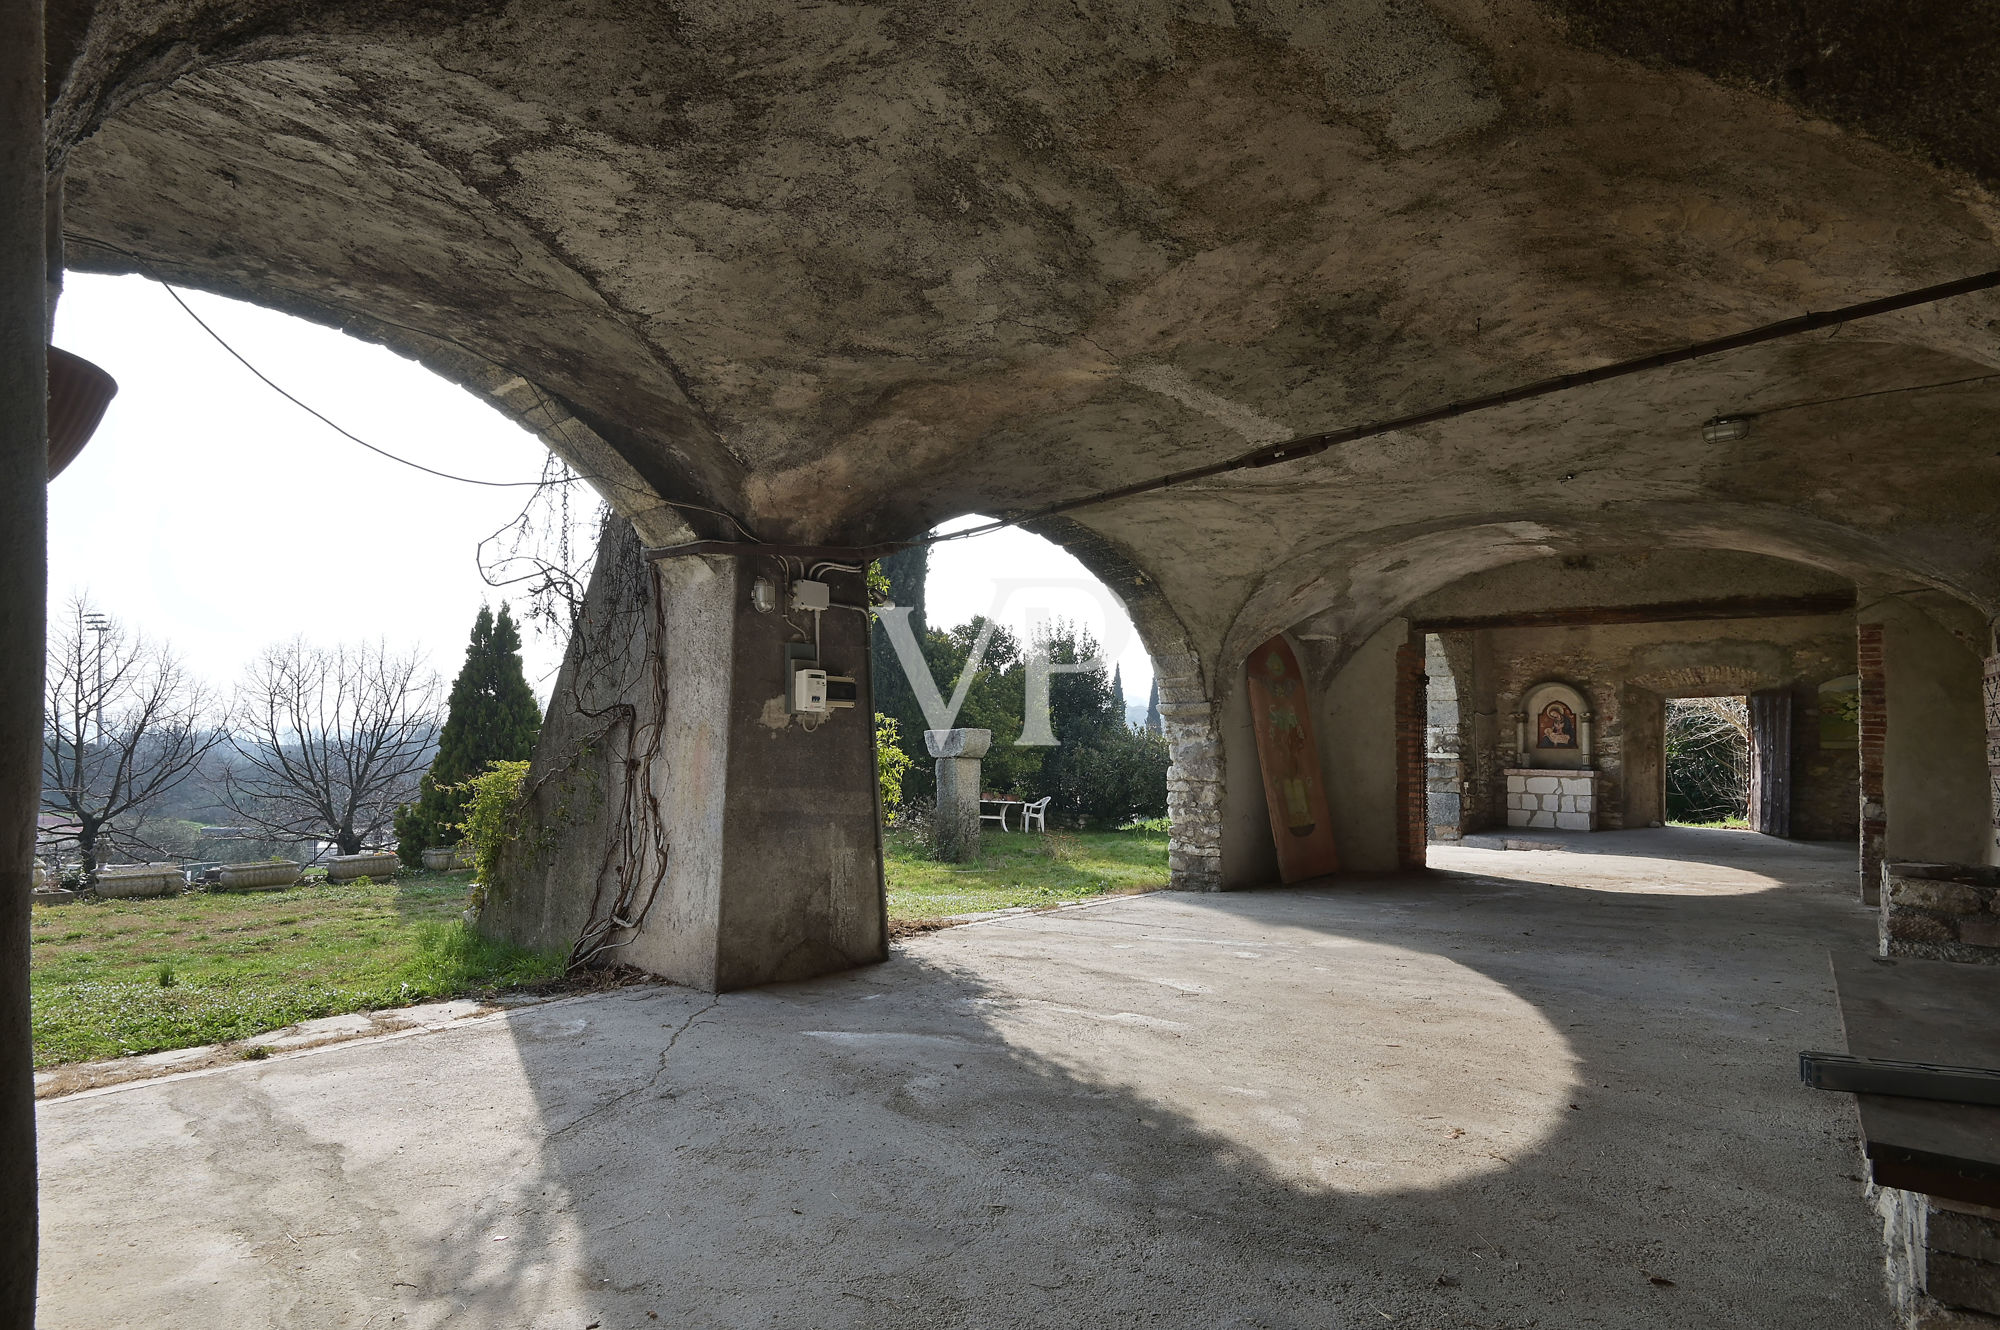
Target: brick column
1412	797
1874	736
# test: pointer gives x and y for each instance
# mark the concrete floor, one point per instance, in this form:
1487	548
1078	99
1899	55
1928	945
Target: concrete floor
1524	1091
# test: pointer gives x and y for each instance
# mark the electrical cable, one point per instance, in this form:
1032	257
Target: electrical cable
241	359
346	433
1878	392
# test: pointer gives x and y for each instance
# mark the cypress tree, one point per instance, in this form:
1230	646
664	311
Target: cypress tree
1153	709
492	717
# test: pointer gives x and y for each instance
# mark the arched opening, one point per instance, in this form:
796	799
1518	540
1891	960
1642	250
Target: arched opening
1011	639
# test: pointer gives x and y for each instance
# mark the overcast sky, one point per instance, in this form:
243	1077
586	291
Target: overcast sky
210	511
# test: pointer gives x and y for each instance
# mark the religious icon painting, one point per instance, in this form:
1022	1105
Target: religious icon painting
1555	727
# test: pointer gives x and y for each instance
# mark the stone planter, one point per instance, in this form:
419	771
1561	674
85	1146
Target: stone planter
128	881
346	867
1941	912
445	860
271	875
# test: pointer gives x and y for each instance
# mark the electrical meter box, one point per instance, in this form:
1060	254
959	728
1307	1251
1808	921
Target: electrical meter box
809	692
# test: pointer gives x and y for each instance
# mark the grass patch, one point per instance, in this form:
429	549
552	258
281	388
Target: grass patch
1732	823
140	976
1023	868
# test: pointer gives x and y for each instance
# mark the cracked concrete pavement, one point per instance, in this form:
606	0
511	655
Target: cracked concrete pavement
1533	1089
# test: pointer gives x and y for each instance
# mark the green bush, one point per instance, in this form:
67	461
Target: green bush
492	806
890	763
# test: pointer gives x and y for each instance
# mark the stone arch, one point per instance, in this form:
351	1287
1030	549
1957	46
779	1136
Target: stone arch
1187	705
1341	594
1450	748
623	475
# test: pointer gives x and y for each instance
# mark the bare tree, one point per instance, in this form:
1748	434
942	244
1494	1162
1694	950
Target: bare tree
331	741
1708	758
125	723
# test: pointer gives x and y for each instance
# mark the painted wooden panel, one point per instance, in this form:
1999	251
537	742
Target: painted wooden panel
1294	788
1992	698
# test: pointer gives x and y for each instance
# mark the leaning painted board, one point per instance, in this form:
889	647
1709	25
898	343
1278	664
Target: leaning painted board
1294	790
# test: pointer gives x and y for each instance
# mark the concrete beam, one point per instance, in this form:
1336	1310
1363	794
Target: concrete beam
1679	611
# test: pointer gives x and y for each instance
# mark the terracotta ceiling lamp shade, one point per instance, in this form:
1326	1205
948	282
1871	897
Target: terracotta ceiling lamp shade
78	394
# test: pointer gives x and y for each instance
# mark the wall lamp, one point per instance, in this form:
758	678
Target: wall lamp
1725	429
78	394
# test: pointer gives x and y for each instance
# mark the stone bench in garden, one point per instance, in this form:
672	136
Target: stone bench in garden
346	867
127	881
270	875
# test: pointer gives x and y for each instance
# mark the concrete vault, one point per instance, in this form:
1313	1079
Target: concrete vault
822	276
827	276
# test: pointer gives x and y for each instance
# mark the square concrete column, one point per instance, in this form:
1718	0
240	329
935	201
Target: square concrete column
680	815
958	753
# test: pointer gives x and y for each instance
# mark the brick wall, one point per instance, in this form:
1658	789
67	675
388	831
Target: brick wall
1874	735
1412	799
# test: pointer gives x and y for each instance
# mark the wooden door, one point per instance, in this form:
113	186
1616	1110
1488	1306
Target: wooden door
1771	761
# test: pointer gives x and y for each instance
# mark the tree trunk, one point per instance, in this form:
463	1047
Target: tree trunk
347	842
86	848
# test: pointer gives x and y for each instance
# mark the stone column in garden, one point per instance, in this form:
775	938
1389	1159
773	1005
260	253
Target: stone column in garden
958	753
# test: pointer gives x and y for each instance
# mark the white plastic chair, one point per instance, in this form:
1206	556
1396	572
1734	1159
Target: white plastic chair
1036	814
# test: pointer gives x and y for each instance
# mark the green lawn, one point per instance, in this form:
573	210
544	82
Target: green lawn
1023	868
136	976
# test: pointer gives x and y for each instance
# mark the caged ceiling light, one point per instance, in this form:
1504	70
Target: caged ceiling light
1725	429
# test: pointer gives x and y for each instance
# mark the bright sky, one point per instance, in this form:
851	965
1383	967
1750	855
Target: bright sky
1015	578
211	512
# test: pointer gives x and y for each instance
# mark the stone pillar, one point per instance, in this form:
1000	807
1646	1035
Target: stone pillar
958	753
1194	775
24	452
680	818
1925	789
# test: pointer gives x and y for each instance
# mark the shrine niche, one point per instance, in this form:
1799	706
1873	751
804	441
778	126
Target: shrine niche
1553	784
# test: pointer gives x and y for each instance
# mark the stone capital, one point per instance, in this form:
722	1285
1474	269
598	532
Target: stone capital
958	743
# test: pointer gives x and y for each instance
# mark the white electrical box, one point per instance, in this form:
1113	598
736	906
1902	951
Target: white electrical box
811	595
809	692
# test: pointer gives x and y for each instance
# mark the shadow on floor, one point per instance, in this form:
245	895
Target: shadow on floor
927	1145
1492	1097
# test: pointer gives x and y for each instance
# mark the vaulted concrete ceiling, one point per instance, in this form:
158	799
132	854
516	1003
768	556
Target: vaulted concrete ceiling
843	271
